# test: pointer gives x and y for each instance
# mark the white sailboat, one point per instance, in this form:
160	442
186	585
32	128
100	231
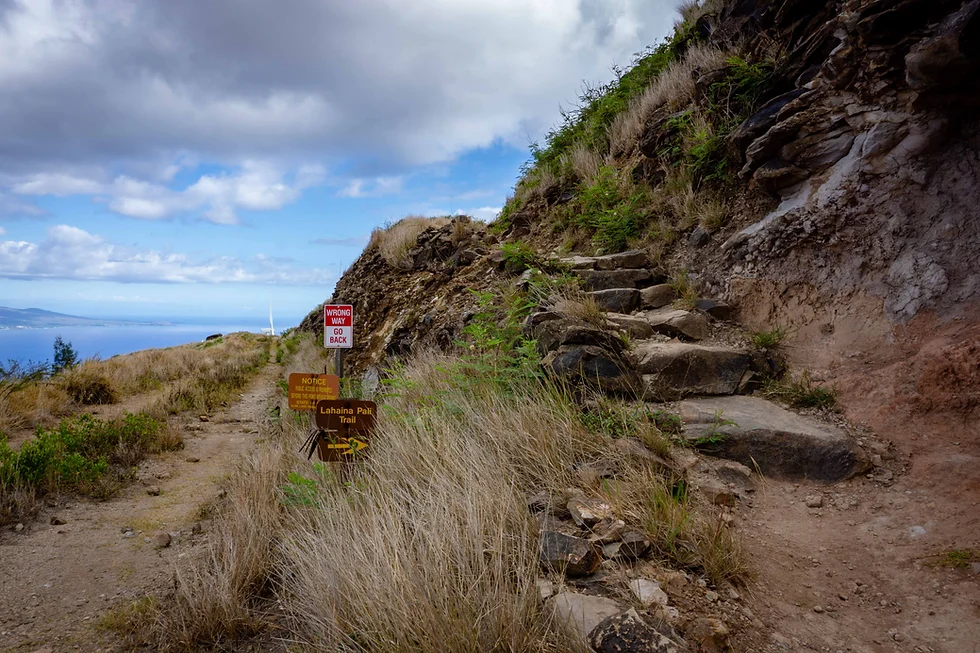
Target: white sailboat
271	330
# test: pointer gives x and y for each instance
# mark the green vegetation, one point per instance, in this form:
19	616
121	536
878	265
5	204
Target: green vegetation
610	209
65	356
78	454
802	393
769	339
956	558
519	256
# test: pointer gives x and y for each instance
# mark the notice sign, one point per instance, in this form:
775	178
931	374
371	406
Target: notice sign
347	425
307	389
338	326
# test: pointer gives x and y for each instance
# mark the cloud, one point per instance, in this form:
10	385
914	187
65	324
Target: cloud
373	187
342	242
377	84
485	213
71	253
3	231
11	207
254	186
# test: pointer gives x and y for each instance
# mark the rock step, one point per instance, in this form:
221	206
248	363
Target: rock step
633	259
782	444
672	370
618	278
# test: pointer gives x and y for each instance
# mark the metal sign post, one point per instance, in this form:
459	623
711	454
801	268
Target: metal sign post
338	332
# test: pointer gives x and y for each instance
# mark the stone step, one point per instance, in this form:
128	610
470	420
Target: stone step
616	300
631	260
677	323
780	443
672	370
611	279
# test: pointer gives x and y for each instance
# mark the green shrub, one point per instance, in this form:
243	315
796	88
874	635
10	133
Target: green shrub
610	210
76	454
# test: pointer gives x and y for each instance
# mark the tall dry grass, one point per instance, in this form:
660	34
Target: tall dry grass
673	89
426	545
395	241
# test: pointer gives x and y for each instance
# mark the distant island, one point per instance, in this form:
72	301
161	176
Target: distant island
36	318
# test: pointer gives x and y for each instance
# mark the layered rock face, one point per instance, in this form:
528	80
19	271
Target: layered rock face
872	147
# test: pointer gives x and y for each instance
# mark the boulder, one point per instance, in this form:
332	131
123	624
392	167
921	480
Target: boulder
551	334
534	319
673	370
607	531
677	323
616	300
698	237
636	327
657	296
583	612
781	443
594	366
629	633
572	556
631	260
606	279
715	308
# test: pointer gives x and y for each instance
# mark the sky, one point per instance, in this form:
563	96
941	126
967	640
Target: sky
179	158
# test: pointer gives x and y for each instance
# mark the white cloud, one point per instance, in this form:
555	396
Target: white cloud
485	213
373	187
71	253
255	186
3	232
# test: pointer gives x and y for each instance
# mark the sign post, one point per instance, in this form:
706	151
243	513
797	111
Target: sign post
338	331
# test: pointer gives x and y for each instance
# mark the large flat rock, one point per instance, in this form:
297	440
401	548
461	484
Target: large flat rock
610	279
677	323
781	443
672	370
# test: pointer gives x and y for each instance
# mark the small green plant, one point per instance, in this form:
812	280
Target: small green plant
769	339
956	558
299	491
804	393
715	435
683	286
65	356
519	256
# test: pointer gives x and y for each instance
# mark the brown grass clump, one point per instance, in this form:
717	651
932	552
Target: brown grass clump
395	241
88	386
427	544
672	90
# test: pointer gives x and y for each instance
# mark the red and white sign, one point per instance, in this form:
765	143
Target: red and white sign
338	326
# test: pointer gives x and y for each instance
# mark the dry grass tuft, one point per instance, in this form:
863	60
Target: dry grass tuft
584	162
215	602
673	89
425	545
395	241
88	385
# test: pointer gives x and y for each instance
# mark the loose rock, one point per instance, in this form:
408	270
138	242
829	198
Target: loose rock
680	324
648	592
634	545
657	296
571	555
162	540
588	511
629	633
584	612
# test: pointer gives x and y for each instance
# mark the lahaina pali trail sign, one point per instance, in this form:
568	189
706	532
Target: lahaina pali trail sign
345	428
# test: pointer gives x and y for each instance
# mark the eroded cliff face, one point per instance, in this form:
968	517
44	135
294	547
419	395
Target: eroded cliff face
875	160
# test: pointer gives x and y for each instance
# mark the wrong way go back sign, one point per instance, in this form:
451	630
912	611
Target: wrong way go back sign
338	326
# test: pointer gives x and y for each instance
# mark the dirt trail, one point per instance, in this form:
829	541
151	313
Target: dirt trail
855	573
56	581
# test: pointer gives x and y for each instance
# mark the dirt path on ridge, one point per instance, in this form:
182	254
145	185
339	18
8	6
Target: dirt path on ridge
58	580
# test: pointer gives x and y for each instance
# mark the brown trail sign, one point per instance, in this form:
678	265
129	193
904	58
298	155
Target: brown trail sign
346	426
307	389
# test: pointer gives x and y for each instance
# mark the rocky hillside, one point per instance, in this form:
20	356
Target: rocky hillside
813	165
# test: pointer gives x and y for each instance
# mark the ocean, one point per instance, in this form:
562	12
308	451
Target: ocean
37	345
